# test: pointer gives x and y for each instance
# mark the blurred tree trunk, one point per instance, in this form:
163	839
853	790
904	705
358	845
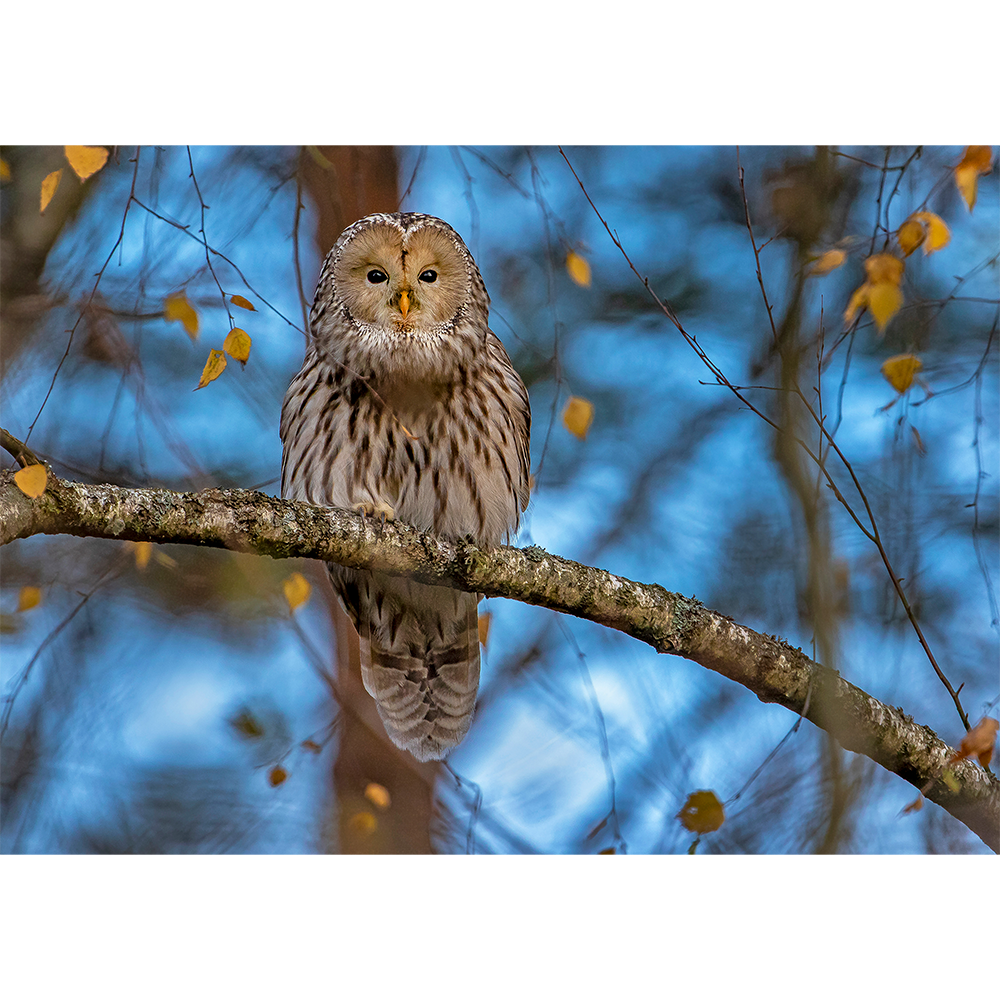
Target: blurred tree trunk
27	236
346	183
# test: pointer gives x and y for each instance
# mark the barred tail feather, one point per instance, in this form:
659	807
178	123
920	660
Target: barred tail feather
426	710
419	657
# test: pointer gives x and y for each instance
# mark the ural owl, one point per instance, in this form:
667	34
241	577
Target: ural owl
407	406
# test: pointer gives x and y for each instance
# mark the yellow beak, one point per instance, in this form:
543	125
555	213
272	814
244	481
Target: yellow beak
404	303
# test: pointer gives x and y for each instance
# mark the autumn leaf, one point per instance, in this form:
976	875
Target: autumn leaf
86	160
827	262
378	795
607	850
884	301
49	185
915	806
297	590
859	301
276	776
237	345
143	551
28	598
978	742
578	416
880	293
214	367
485	620
32	480
702	812
938	233
975	161
311	745
578	269
364	823
177	308
4	170
164	560
910	235
900	370
884	269
247	725
238	300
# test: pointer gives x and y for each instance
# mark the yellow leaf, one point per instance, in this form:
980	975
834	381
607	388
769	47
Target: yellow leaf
30	597
828	262
884	269
485	620
975	161
49	186
884	301
214	367
967	178
297	590
915	806
238	300
378	795
364	823
859	300
938	233
311	745
143	552
276	776
164	560
237	345
4	170
702	813
578	416
910	235
32	480
578	268
177	308
86	160
900	370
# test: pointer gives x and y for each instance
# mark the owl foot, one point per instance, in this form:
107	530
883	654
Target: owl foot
381	509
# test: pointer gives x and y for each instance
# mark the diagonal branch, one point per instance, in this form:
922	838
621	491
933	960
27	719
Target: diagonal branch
245	521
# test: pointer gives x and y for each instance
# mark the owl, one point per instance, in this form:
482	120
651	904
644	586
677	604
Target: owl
408	407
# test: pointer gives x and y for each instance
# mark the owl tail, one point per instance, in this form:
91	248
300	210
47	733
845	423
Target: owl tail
419	660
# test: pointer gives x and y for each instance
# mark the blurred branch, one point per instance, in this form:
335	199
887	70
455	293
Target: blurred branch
20	451
671	623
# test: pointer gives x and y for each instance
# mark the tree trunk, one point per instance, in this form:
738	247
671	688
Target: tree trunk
346	183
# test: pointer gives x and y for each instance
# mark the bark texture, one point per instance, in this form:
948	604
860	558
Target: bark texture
671	623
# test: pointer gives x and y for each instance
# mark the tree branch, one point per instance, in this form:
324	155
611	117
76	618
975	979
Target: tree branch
246	521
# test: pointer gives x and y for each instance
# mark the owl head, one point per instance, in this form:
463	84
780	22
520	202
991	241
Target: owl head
404	273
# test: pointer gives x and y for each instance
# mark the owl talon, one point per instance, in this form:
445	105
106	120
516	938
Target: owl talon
381	509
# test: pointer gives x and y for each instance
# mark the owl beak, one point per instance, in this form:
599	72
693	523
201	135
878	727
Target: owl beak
404	303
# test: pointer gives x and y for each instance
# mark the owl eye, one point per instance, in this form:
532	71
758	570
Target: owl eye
428	276
375	276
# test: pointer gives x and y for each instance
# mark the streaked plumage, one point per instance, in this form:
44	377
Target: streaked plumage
407	405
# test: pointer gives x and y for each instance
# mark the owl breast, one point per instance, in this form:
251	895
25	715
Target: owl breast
447	455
